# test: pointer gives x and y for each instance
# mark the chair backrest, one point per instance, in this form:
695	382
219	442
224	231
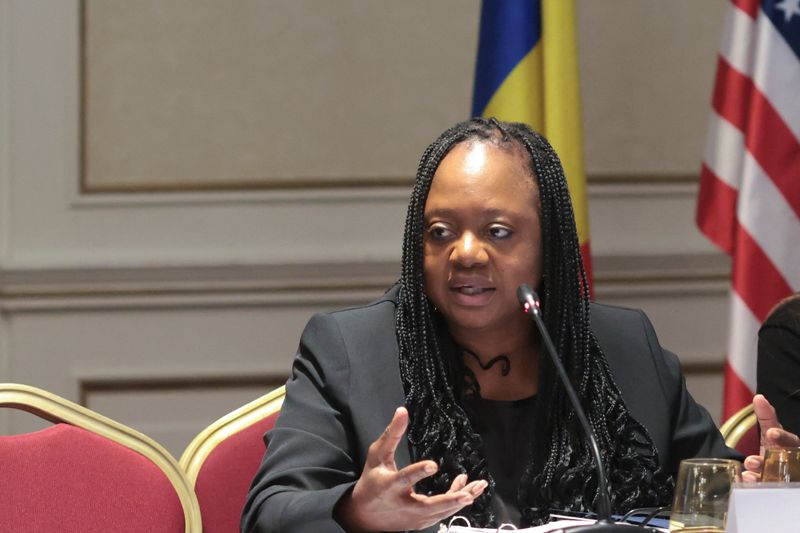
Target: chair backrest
223	459
88	473
740	431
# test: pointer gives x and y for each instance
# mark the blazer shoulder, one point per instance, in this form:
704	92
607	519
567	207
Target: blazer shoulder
597	308
627	336
362	316
361	333
605	316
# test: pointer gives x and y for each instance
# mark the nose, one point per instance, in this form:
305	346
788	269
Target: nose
469	251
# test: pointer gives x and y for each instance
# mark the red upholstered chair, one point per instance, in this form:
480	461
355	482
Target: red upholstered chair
87	473
222	460
741	431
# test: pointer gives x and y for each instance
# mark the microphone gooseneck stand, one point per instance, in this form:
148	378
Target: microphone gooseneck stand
530	304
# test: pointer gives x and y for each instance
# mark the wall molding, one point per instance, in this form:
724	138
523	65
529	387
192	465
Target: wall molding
643	179
182	382
380	188
173	286
176	286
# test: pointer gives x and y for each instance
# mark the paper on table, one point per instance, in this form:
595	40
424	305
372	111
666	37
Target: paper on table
556	525
546	528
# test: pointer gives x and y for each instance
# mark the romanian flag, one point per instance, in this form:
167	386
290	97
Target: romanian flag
527	71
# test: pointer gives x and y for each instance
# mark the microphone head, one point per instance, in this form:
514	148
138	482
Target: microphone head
528	298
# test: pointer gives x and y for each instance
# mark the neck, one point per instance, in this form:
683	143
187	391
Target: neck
514	376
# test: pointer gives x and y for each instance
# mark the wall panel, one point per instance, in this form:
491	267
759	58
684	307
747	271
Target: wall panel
199	296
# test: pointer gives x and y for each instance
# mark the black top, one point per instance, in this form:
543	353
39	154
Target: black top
505	428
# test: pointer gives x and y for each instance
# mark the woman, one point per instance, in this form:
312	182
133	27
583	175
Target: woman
486	429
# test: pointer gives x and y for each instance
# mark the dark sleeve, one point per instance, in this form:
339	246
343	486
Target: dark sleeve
310	463
694	433
683	428
778	376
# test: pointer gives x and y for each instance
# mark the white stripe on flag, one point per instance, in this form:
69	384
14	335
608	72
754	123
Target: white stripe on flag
764	212
743	341
737	36
724	150
777	73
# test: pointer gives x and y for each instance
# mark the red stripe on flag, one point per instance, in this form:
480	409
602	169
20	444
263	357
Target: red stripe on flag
716	209
732	93
775	148
586	254
748	6
767	137
737	393
754	276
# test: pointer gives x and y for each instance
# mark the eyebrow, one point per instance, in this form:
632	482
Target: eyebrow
446	212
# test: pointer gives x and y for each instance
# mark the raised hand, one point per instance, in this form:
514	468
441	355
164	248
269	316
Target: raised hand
772	434
383	498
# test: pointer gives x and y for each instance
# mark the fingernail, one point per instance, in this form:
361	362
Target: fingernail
430	468
774	434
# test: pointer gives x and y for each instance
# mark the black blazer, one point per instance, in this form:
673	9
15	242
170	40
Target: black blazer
345	386
778	374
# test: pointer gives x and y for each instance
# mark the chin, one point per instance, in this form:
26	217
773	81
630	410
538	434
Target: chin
469	320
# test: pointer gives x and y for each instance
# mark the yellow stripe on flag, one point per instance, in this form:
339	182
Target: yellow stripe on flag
519	98
562	97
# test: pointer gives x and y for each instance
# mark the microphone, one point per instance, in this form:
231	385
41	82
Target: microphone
530	304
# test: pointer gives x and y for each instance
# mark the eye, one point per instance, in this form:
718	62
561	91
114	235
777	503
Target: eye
440	232
499	232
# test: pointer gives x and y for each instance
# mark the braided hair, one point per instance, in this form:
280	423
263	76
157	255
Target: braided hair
558	472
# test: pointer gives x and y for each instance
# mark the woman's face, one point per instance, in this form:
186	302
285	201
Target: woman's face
482	237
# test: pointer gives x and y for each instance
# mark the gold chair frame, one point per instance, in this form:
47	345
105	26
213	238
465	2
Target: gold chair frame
245	416
56	409
737	425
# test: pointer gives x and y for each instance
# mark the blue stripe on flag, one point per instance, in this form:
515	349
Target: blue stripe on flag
509	30
790	30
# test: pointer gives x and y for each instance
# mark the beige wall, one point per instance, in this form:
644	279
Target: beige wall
181	187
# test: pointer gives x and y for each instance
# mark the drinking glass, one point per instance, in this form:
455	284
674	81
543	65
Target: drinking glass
781	464
701	495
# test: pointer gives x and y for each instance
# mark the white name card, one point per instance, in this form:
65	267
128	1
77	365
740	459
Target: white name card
756	508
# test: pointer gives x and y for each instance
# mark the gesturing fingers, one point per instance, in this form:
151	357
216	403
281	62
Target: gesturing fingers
765	413
428	510
476	488
458	483
458	498
383	449
412	474
772	432
448	502
781	438
751	477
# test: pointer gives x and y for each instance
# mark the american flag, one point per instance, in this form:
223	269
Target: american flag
749	202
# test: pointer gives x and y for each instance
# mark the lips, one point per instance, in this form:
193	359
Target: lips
471	294
471	291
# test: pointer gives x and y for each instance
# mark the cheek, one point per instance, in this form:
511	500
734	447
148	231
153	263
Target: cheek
529	266
434	277
434	260
428	273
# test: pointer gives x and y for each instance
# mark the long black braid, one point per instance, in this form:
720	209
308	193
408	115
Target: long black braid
559	472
